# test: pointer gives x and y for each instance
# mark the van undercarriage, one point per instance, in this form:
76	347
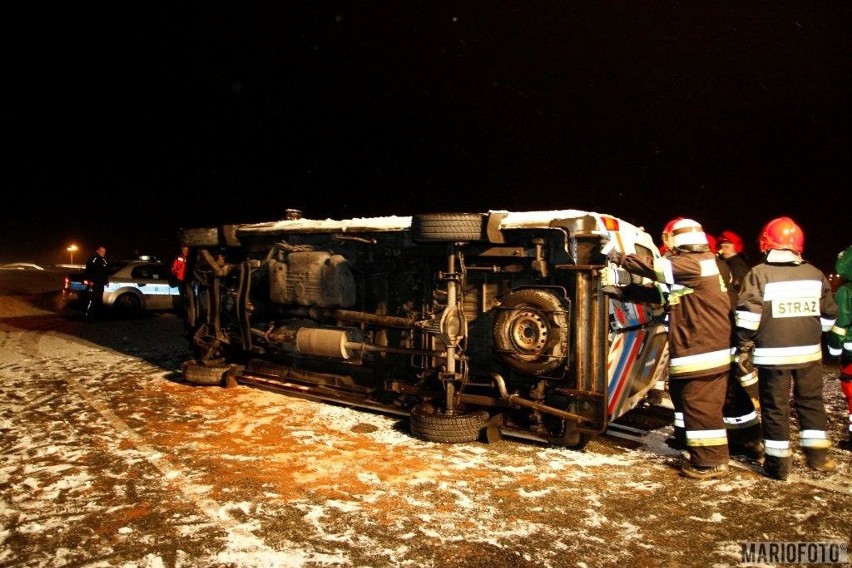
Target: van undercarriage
474	325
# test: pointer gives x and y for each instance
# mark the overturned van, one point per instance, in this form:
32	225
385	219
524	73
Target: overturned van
474	325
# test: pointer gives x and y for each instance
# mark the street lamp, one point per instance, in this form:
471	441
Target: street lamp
71	250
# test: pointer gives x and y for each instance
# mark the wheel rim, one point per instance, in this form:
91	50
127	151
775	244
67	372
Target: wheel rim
528	333
531	331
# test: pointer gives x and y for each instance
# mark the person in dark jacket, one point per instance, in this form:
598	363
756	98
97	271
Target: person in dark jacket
97	275
732	251
699	330
784	307
741	400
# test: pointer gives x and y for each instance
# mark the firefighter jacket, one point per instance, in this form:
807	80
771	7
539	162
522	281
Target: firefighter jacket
840	336
700	324
784	306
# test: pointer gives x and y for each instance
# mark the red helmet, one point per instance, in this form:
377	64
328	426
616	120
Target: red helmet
733	238
782	233
711	240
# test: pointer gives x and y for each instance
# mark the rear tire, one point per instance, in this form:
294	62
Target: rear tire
195	373
428	423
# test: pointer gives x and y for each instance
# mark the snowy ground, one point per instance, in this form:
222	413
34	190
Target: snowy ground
108	459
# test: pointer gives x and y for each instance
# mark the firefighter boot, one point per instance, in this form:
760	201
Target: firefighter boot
753	450
777	468
818	459
704	471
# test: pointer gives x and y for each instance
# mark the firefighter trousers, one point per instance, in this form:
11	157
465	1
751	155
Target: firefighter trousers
701	400
740	414
775	404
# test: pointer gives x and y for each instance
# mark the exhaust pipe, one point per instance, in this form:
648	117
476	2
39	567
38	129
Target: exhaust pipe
515	399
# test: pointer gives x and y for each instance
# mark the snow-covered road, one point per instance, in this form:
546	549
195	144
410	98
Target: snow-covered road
108	459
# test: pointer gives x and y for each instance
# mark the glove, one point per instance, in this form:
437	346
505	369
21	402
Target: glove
616	257
744	357
744	363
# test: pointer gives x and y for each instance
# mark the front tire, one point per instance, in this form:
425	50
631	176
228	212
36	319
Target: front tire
447	227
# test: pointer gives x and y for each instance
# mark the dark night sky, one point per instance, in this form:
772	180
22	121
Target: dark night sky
122	126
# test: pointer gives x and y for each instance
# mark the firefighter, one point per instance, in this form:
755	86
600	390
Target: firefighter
678	439
732	251
741	400
699	331
784	306
840	337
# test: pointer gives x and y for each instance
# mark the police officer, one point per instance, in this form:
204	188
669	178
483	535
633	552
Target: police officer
97	275
840	337
699	330
784	306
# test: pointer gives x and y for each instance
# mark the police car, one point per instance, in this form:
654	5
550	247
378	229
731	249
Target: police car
134	287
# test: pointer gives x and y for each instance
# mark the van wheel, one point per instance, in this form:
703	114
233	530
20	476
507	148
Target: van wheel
195	373
430	424
447	227
531	332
